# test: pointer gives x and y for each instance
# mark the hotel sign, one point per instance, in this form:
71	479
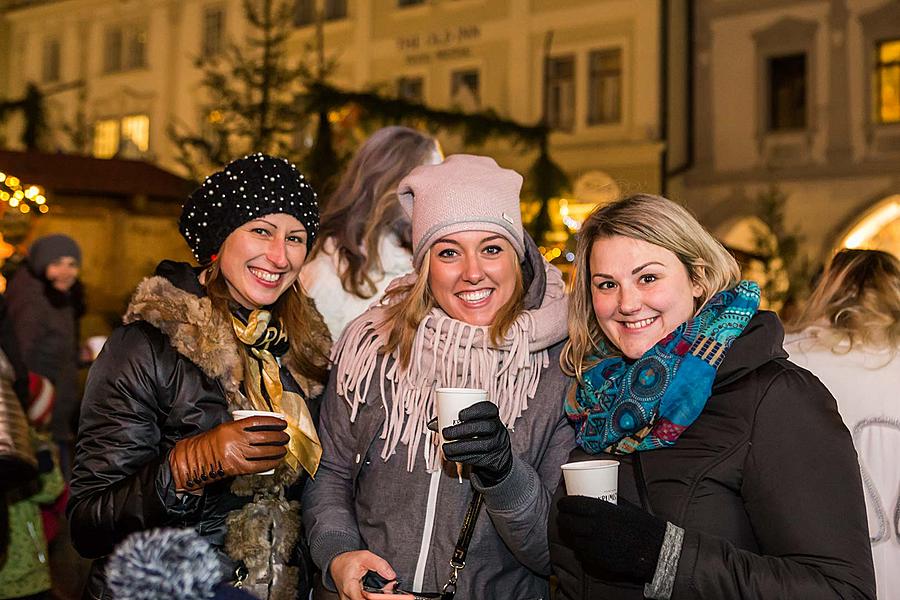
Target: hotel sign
443	44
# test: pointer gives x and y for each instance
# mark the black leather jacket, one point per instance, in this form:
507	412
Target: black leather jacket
143	395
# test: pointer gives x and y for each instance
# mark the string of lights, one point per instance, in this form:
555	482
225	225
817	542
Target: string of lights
21	196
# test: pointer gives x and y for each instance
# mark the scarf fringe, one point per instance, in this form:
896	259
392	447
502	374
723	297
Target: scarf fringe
446	353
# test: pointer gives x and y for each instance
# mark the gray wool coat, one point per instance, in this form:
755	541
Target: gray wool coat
360	501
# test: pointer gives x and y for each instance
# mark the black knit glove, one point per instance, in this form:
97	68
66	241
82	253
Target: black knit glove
616	540
480	440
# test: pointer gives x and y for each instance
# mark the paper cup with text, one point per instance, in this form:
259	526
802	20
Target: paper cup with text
450	401
593	478
237	415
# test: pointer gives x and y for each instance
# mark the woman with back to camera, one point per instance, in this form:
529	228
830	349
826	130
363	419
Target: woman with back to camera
848	335
365	237
157	445
483	310
745	476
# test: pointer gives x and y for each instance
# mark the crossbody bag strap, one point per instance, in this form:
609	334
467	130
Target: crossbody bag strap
640	482
458	561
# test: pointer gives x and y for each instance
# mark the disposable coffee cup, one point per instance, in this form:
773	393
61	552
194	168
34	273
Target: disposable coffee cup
450	401
237	415
593	478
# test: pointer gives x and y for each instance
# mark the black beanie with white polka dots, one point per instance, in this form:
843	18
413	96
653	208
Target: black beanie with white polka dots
246	189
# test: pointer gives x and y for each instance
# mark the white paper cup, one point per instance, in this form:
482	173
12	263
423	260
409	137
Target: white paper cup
237	415
593	478
450	401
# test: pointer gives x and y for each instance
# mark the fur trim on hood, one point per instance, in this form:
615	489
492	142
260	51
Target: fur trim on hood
202	335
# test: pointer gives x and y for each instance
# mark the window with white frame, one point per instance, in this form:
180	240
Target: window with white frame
411	89
560	92
887	81
305	11
128	136
125	48
213	31
465	89
787	92
604	103
50	60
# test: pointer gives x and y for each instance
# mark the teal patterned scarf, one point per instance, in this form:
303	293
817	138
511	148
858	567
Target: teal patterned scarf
626	406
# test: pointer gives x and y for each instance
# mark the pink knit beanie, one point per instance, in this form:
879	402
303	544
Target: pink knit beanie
463	193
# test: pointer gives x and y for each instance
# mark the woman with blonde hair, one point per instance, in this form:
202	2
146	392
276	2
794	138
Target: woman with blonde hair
365	235
482	310
848	335
745	477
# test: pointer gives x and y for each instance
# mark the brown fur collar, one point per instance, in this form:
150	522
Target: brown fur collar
202	335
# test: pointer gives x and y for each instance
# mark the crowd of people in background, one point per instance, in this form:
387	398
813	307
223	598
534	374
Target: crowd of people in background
262	425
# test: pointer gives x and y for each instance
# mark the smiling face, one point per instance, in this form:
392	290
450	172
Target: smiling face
640	292
62	273
472	275
262	258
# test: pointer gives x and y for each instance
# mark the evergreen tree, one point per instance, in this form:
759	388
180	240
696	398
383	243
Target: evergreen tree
254	95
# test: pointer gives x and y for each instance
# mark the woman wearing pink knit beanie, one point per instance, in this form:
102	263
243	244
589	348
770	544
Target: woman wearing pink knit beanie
483	310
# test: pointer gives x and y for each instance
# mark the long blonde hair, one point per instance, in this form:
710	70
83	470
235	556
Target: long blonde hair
408	305
299	317
364	207
858	297
655	220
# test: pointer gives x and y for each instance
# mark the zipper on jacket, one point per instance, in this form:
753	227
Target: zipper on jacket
430	509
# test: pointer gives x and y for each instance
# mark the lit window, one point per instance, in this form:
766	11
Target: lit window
411	89
136	130
106	138
561	92
128	137
464	89
51	59
604	86
887	78
787	92
213	31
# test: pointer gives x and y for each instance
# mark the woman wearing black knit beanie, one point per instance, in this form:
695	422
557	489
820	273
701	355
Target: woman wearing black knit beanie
157	445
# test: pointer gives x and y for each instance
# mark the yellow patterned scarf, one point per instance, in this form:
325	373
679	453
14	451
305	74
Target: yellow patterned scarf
264	341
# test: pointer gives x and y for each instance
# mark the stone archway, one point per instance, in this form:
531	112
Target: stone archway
876	229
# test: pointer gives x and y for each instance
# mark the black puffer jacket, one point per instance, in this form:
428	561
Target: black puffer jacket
171	373
765	483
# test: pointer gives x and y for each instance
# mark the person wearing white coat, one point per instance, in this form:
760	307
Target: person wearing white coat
365	237
849	336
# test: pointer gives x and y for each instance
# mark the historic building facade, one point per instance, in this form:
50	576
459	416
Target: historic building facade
118	74
803	95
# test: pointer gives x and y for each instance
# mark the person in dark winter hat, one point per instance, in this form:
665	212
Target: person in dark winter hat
46	303
157	445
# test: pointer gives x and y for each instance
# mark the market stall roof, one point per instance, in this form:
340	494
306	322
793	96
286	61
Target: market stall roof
84	175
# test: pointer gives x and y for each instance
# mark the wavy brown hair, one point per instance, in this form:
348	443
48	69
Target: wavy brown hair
299	317
651	219
408	305
858	299
364	207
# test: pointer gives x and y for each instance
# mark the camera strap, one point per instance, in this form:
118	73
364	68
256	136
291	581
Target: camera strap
458	561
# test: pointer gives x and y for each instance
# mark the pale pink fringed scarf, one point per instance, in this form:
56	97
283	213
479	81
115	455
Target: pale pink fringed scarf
447	353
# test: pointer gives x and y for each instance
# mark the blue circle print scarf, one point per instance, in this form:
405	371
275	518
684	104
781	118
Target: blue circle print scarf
626	406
